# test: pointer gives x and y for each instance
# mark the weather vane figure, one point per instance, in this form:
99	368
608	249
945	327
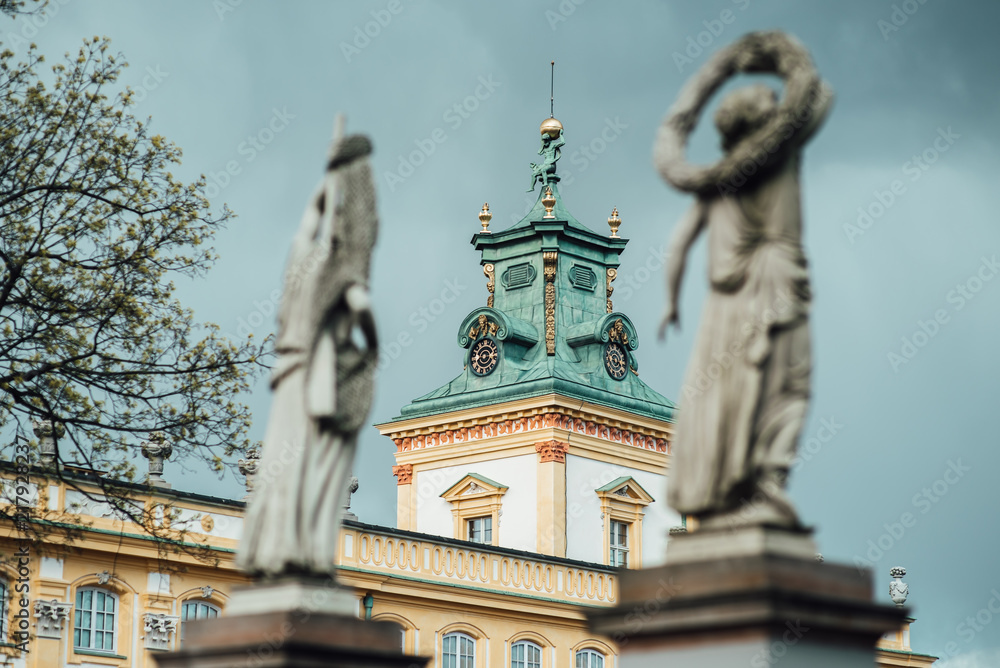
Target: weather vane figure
552	142
322	380
747	388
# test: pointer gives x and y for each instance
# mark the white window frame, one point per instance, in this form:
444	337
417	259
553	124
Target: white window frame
486	522
590	657
618	554
79	629
524	660
197	602
462	642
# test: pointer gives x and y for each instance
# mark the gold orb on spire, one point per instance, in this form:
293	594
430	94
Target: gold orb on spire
551	127
484	218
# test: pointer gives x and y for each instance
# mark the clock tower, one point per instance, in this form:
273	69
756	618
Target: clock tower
548	440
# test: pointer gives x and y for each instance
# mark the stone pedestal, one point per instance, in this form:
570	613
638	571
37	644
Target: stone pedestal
290	624
751	596
290	640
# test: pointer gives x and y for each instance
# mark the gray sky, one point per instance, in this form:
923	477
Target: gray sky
216	74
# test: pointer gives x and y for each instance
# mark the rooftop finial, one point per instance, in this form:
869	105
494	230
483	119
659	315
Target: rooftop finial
552	92
548	201
485	217
614	222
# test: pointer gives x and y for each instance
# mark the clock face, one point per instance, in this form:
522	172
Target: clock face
484	356
616	360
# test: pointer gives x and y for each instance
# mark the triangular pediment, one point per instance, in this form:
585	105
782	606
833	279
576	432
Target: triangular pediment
474	485
626	489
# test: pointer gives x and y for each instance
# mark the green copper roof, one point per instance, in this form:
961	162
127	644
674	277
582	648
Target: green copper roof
550	274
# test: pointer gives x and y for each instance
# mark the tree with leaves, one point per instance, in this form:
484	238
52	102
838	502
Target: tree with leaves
93	227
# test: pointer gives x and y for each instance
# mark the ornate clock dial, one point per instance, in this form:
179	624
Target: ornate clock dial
616	360
484	356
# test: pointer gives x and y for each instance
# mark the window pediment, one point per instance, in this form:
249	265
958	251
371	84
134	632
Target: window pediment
474	486
625	490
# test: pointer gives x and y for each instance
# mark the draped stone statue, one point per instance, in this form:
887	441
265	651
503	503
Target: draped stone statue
747	387
322	380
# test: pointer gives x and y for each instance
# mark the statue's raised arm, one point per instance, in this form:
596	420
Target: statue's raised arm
747	388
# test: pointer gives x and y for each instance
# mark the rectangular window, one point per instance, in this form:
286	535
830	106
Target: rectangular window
481	530
619	544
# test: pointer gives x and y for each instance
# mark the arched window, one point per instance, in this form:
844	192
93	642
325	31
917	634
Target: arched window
525	654
95	620
589	658
458	651
197	609
4	608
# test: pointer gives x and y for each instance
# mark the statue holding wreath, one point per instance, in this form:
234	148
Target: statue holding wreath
747	388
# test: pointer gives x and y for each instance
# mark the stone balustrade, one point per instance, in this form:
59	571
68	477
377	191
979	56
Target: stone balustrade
390	553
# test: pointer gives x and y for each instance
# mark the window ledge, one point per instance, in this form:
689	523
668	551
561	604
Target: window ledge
92	652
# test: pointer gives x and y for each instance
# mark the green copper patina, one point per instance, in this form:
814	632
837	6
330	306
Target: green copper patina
551	277
550	152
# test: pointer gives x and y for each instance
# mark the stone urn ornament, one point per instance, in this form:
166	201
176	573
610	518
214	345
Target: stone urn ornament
898	590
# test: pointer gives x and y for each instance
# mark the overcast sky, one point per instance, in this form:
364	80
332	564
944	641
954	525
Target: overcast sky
255	86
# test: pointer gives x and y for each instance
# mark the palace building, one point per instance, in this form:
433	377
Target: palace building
523	485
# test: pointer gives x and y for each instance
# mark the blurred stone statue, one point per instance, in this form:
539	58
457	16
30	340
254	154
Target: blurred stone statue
747	387
322	380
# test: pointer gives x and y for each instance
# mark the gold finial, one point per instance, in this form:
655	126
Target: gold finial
548	202
485	217
614	222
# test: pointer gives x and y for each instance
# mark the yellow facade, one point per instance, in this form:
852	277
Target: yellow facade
142	582
495	604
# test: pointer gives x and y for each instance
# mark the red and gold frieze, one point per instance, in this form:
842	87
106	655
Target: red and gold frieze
559	418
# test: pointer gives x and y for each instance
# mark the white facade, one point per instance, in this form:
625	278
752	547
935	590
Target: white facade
518	521
584	524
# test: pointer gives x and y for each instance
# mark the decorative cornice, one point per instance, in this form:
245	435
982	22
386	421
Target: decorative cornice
526	421
403	473
490	282
612	275
551	451
549	259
